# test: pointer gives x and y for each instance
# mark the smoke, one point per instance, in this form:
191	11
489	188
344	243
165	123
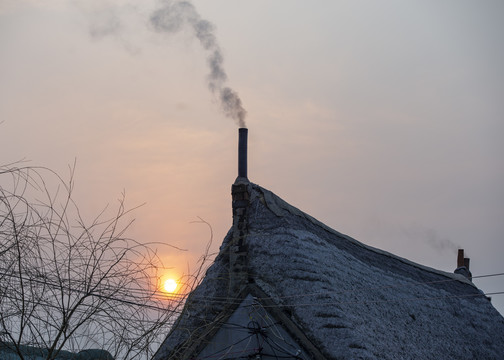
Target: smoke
430	236
108	19
104	23
173	16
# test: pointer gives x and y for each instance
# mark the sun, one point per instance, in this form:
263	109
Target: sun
170	285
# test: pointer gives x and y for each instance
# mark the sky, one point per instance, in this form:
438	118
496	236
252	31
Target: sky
384	120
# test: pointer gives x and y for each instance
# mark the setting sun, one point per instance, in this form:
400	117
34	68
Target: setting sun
170	285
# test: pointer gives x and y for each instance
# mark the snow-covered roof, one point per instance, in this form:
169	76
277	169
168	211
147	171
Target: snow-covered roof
338	296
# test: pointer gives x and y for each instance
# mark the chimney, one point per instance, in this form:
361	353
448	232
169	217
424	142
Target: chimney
466	263
240	191
242	155
463	265
460	258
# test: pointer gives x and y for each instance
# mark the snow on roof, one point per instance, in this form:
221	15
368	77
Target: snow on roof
350	300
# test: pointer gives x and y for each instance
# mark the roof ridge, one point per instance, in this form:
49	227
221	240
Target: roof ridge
279	206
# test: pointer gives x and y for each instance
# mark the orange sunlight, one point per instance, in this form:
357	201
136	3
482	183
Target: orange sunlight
170	285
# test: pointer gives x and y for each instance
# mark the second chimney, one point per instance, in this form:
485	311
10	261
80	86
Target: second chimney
463	265
460	258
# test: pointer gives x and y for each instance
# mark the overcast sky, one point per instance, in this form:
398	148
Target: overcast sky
382	119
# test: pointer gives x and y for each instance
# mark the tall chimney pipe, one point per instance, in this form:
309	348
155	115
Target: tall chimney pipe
242	154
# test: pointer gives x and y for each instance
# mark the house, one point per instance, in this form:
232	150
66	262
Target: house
285	286
8	351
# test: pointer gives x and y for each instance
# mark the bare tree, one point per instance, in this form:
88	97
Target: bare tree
67	284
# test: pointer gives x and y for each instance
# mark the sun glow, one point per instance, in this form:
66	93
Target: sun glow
170	285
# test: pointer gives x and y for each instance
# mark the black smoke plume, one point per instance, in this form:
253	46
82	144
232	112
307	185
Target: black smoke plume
171	17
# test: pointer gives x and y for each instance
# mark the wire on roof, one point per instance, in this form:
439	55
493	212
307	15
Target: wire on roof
235	300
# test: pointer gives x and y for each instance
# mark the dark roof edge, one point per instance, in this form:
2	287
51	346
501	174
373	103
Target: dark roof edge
188	350
264	300
278	206
289	325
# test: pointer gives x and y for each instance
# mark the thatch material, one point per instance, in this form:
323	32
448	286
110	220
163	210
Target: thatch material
346	299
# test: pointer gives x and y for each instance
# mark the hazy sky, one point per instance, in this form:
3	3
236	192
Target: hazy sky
382	119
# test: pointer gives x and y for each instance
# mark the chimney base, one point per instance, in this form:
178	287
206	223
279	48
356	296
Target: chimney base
463	265
240	194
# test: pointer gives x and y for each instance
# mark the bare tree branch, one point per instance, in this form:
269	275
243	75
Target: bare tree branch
70	284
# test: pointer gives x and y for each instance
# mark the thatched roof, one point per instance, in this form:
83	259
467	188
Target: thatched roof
338	297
